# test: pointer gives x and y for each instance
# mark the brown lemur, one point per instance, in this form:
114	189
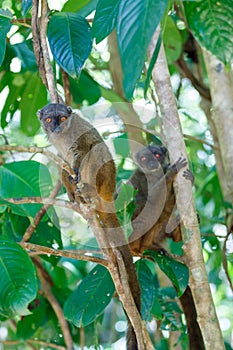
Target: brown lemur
154	218
82	147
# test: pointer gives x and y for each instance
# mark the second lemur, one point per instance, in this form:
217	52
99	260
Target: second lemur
154	218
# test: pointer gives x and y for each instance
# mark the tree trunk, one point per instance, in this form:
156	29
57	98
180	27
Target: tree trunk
192	248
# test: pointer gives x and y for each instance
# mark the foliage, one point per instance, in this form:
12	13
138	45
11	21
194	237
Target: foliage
83	290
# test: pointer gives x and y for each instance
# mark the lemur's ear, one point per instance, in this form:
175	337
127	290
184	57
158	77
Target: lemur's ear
39	113
69	109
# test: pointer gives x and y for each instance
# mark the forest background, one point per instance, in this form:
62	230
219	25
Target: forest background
109	55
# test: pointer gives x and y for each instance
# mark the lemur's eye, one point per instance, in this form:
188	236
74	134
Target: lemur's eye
48	120
157	155
63	118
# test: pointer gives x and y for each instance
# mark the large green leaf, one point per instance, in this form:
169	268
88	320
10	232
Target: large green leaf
5	24
70	41
211	23
105	18
91	297
137	21
172	40
148	288
24	52
34	96
18	285
23	179
176	271
47	233
85	89
83	7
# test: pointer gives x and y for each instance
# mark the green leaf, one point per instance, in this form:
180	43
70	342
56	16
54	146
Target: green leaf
121	143
83	7
24	52
28	325
70	41
5	24
148	288
49	235
105	18
14	226
177	272
137	21
23	179
211	24
91	297
26	5
172	41
125	207
125	196
18	285
86	89
152	63
34	96
11	103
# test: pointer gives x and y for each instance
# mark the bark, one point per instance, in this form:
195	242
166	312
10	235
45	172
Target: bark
206	106
192	248
221	89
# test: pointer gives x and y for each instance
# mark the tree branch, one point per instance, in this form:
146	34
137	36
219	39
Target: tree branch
76	254
40	150
190	230
47	66
36	41
41	213
55	305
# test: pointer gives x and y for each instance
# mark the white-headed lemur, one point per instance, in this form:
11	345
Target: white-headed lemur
82	147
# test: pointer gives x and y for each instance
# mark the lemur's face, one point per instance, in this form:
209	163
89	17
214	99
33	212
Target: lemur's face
151	158
54	117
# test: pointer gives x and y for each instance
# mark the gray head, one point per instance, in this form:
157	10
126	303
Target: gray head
54	117
151	158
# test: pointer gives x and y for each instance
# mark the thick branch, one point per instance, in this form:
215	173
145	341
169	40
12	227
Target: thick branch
47	65
190	231
222	117
36	41
118	272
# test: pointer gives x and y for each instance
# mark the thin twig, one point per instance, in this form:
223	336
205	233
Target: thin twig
55	305
46	201
197	139
46	345
35	150
41	213
75	254
22	22
224	262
